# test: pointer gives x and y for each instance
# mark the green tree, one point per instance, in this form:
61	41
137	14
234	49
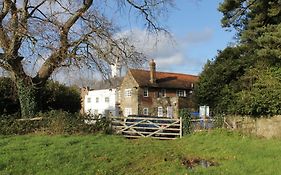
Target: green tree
54	96
8	98
244	79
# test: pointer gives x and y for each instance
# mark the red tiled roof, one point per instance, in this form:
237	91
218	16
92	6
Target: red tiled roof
164	79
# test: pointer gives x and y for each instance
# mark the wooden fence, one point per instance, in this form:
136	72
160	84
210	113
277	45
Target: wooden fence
155	127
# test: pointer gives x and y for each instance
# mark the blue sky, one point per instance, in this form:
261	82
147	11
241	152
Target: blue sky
197	36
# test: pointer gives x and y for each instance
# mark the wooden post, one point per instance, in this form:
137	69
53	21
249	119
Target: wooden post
180	127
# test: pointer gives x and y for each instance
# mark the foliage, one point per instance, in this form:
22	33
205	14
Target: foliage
186	121
245	78
217	82
261	96
56	96
27	99
52	123
8	99
108	154
53	96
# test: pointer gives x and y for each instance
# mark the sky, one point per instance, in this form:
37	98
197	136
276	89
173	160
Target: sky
197	35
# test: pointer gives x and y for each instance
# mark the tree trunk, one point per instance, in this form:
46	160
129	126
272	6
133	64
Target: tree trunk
27	98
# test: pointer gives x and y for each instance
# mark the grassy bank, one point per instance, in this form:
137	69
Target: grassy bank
105	154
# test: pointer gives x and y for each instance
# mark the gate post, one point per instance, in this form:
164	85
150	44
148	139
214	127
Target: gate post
180	127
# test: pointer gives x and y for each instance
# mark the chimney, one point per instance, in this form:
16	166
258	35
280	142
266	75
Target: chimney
116	70
152	66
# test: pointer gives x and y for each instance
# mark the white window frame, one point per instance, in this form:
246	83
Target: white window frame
160	112
97	100
145	92
89	100
170	111
145	111
128	92
181	93
106	99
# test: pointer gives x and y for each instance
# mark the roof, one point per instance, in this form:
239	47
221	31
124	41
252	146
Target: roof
164	79
107	84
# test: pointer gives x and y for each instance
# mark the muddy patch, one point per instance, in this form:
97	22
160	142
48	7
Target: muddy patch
198	162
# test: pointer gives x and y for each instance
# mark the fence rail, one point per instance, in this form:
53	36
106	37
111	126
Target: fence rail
155	127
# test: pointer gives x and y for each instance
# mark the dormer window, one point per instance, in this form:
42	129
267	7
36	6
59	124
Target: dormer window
145	92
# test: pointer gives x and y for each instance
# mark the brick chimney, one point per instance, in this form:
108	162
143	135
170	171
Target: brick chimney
152	66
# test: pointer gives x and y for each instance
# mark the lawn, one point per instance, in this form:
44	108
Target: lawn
110	154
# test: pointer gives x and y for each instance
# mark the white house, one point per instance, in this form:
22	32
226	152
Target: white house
103	101
103	97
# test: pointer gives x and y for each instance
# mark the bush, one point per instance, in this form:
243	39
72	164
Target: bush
53	122
186	121
53	96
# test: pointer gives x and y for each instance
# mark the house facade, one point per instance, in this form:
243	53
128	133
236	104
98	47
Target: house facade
103	98
153	93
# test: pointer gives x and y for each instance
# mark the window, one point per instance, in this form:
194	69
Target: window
181	93
160	111
145	92
106	99
192	85
89	100
128	92
162	93
97	99
127	112
145	111
170	111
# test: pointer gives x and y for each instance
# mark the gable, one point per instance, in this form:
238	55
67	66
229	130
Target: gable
129	81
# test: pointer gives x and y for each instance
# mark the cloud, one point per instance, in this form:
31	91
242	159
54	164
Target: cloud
170	52
196	37
161	46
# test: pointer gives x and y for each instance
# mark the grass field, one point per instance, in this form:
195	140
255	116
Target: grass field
109	154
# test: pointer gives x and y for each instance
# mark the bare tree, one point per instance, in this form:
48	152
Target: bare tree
58	33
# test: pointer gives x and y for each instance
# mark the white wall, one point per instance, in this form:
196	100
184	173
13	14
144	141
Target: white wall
101	106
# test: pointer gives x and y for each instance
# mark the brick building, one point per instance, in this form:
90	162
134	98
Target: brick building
153	93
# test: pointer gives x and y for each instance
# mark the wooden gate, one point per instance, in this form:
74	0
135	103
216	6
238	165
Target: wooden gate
155	127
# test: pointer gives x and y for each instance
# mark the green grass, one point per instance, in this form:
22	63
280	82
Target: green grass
106	154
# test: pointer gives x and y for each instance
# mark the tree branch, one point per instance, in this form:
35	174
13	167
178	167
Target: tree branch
4	39
61	54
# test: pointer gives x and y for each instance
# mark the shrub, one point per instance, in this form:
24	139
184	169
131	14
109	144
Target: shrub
53	122
53	96
186	121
